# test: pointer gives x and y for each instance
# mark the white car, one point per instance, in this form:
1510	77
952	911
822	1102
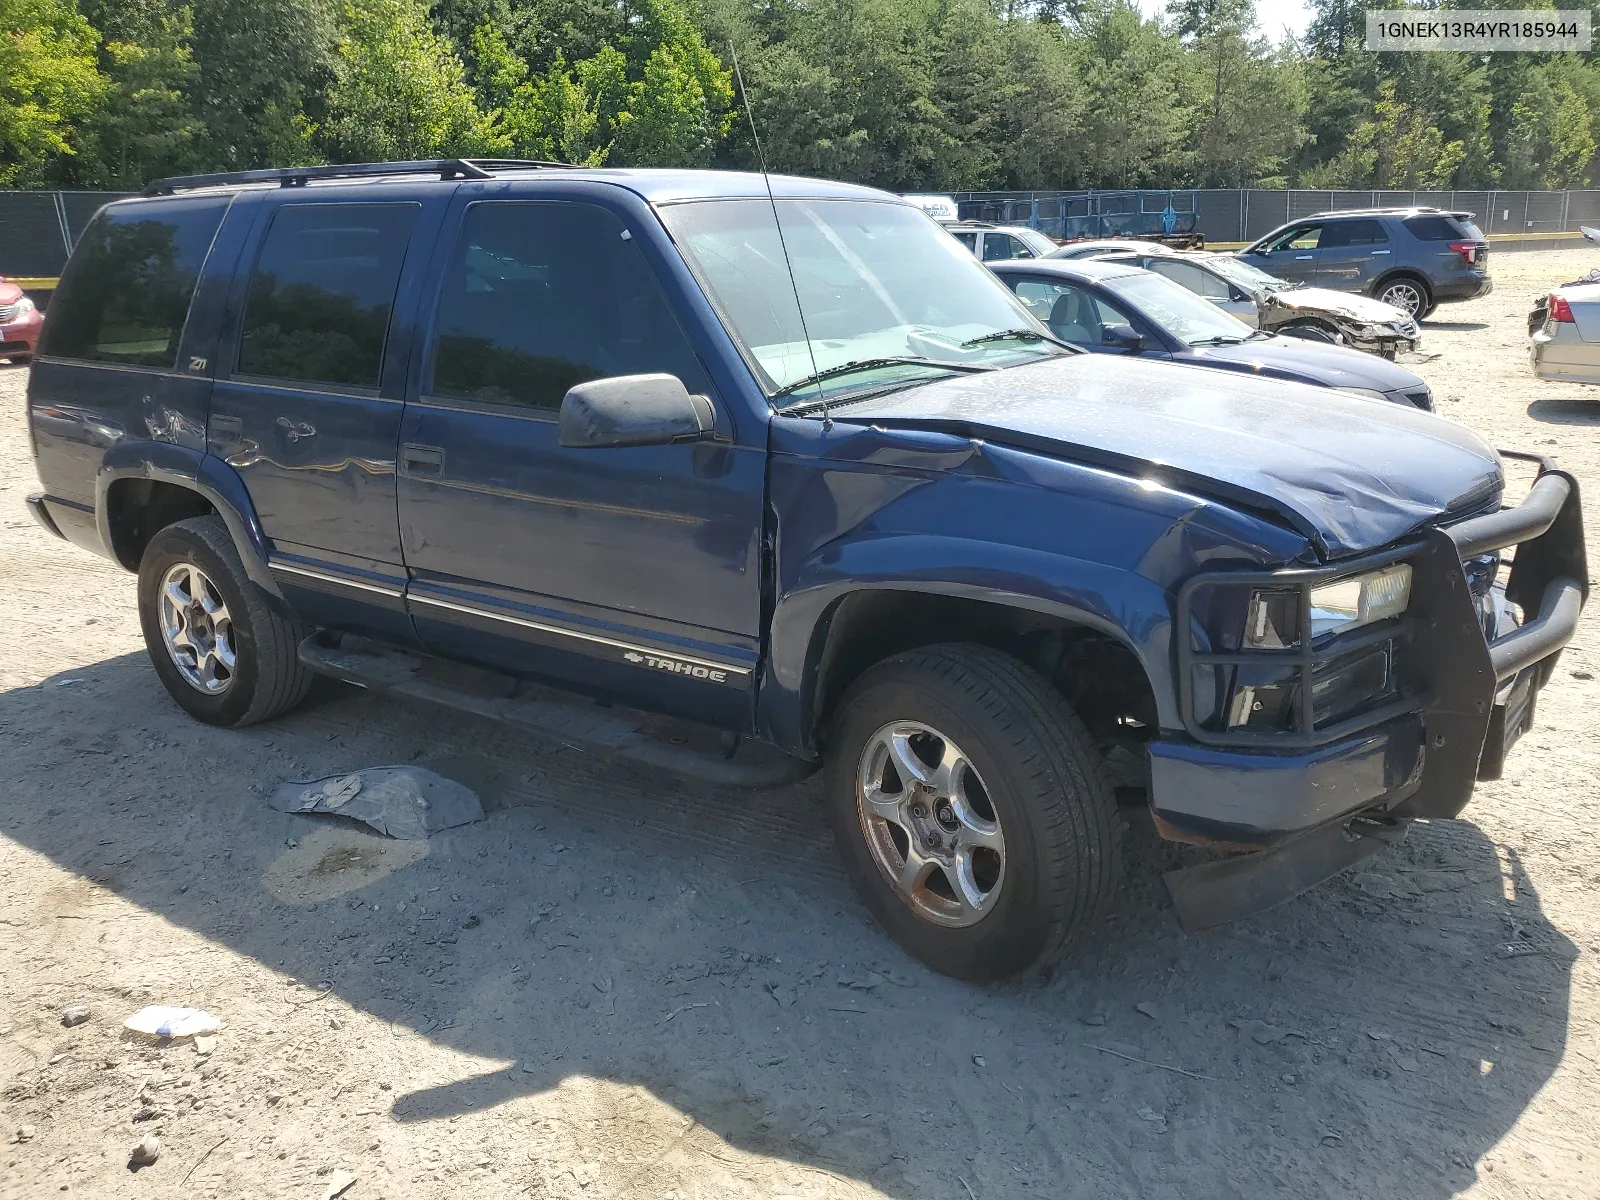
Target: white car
993	243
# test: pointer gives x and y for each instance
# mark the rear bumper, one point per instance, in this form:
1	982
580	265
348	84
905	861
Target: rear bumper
1558	353
1472	698
1463	287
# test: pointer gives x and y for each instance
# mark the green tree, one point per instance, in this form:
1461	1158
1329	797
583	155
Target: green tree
1551	137
1400	147
145	128
399	91
49	83
1136	124
263	66
1247	101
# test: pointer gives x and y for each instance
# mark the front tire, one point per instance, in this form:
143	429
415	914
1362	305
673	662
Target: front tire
225	654
1312	331
971	810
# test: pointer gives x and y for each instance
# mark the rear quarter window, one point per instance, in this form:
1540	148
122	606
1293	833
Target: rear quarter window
124	296
1438	229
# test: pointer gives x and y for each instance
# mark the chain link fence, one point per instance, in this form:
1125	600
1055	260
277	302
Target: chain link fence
1244	214
38	229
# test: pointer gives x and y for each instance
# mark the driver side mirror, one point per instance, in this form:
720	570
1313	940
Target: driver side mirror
634	410
1123	337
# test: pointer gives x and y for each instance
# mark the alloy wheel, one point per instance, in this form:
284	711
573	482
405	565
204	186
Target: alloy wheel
1403	295
929	823
197	629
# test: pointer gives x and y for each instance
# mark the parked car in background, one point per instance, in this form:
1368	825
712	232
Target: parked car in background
1095	247
1111	307
994	242
1278	306
20	319
1565	328
1413	258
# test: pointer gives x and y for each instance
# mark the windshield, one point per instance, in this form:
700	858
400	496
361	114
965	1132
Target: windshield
1179	311
1244	273
878	283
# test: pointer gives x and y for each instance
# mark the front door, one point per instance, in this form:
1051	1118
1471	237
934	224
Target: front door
308	409
1292	255
632	572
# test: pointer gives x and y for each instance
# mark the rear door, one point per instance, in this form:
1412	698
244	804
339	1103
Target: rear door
308	402
1351	253
633	572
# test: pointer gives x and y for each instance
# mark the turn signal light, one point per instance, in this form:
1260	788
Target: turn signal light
1559	309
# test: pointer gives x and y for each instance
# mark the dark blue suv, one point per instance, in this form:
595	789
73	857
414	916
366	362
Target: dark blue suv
734	483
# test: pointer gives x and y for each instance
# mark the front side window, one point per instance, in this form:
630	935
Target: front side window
541	296
1303	238
321	292
1074	314
999	246
1180	312
884	295
124	297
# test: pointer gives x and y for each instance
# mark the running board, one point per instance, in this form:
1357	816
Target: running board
621	732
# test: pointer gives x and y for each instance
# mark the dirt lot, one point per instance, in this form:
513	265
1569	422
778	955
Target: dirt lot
620	986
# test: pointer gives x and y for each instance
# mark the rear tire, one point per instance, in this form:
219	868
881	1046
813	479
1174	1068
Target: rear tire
1409	293
225	654
1024	799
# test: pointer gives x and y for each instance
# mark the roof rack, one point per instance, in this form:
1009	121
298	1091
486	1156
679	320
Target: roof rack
444	168
1388	208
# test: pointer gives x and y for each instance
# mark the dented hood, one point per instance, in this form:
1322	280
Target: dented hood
1344	304
1350	473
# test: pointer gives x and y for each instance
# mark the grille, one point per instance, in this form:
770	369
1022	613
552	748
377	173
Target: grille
1422	399
8	312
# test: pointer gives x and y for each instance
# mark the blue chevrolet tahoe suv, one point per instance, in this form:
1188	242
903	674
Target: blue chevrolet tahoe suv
612	454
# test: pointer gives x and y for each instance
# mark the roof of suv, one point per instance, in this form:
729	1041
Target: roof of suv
656	185
1415	210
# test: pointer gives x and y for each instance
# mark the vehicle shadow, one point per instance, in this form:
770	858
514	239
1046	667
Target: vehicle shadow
1455	326
1565	412
1376	1036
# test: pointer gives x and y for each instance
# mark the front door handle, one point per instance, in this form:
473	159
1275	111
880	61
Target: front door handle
226	429
422	460
1381	251
1302	258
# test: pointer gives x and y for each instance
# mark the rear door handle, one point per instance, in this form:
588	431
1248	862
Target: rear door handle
1302	257
1381	252
422	460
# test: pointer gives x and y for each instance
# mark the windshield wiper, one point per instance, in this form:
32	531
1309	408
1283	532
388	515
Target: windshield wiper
868	364
1221	340
1021	335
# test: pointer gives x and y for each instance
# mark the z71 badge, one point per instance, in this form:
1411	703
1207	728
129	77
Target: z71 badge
678	667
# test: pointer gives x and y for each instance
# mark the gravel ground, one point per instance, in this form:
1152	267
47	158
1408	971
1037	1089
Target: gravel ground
617	986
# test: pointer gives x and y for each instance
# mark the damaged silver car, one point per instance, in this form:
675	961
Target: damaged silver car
1278	306
1564	328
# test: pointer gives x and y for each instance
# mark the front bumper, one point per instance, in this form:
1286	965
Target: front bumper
20	337
1464	701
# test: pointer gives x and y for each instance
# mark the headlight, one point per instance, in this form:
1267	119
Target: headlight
24	306
1369	393
1273	622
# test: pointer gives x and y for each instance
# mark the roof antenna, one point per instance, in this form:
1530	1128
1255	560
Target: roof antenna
761	158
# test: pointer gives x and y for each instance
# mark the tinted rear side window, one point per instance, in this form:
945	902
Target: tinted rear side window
125	294
1436	229
1352	233
321	292
540	296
